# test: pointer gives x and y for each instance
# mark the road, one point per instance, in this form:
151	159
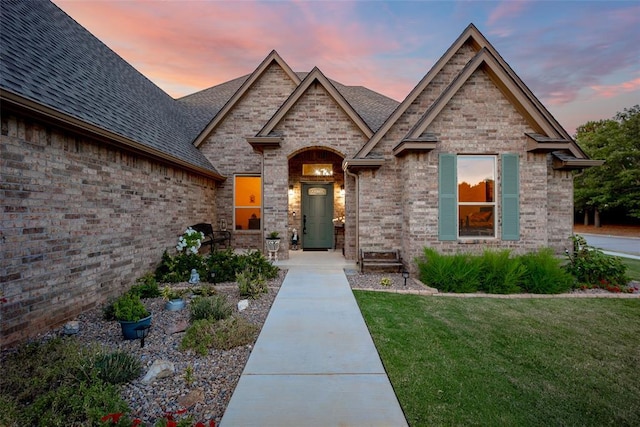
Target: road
619	245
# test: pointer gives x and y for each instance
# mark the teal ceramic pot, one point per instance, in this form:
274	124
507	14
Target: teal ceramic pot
129	328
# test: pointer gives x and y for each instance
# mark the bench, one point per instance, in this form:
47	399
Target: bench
212	237
381	260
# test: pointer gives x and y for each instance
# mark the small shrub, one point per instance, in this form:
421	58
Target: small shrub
233	332
251	284
128	307
173	269
590	266
449	273
198	337
385	281
212	308
500	273
146	287
118	367
544	273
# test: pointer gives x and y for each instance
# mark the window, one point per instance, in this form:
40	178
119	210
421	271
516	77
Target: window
247	201
476	196
468	202
317	169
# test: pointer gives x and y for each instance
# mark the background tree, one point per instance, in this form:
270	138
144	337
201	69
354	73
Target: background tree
615	186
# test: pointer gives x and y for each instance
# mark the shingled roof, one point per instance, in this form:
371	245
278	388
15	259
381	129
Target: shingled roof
373	107
47	59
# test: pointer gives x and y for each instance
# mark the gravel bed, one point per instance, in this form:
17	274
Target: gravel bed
215	375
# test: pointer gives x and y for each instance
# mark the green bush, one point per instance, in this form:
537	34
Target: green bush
592	267
544	273
233	332
226	265
146	287
55	383
128	307
500	273
449	273
118	367
251	283
198	337
213	308
173	269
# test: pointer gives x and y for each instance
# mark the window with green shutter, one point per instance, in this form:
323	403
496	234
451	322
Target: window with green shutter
467	197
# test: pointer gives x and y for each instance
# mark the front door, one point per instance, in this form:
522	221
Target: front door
317	216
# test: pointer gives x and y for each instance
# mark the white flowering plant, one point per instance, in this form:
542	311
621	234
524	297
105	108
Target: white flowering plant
190	241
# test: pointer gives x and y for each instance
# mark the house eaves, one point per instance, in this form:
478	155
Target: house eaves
246	85
564	161
11	102
315	76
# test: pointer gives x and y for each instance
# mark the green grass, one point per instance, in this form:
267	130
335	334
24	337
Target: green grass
509	362
633	268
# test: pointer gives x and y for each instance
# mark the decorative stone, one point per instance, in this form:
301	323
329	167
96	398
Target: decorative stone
191	398
243	304
180	326
159	369
71	328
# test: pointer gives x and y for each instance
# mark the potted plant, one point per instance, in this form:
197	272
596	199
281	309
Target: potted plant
132	315
273	244
174	298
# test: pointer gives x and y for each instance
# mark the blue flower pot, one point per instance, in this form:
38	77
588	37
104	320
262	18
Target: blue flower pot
129	328
174	305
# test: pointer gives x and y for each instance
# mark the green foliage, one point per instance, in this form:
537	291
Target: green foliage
226	265
544	273
592	267
212	308
128	307
233	332
449	273
173	269
198	337
55	383
146	287
118	367
251	283
385	281
500	273
495	272
614	184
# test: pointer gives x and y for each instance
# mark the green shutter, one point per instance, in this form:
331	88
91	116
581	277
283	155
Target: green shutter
510	197
447	198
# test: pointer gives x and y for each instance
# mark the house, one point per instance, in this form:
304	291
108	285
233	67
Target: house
101	170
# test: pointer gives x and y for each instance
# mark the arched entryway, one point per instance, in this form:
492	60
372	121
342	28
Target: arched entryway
316	200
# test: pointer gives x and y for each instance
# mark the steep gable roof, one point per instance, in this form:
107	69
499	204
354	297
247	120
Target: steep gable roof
315	76
52	66
503	75
273	57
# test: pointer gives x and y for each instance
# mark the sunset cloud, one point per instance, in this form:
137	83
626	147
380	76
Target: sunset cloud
561	50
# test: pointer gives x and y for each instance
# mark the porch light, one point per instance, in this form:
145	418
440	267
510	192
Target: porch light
405	276
342	190
291	190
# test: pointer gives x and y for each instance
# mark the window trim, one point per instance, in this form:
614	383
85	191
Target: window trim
494	203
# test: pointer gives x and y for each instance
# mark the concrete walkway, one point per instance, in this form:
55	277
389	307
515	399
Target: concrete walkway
314	363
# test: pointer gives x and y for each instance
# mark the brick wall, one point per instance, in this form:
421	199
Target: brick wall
81	221
228	149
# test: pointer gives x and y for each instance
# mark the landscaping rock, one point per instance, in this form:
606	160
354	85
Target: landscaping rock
71	328
191	398
243	304
159	369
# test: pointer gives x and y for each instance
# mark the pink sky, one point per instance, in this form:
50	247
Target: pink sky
580	58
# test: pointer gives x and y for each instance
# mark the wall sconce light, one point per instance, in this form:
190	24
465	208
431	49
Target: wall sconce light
342	190
405	276
291	190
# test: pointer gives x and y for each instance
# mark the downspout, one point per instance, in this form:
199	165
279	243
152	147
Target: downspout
357	207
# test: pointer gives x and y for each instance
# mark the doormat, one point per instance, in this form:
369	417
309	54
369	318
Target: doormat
315	249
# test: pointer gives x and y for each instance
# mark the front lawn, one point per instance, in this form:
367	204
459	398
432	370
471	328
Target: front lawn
633	268
508	362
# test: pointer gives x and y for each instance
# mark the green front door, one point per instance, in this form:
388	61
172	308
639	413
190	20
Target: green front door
317	216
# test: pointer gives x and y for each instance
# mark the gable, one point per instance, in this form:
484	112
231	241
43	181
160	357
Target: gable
273	59
487	59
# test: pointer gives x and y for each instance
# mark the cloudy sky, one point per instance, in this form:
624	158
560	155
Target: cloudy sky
581	58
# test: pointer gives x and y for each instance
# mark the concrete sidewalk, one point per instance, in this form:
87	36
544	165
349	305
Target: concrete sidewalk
314	363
